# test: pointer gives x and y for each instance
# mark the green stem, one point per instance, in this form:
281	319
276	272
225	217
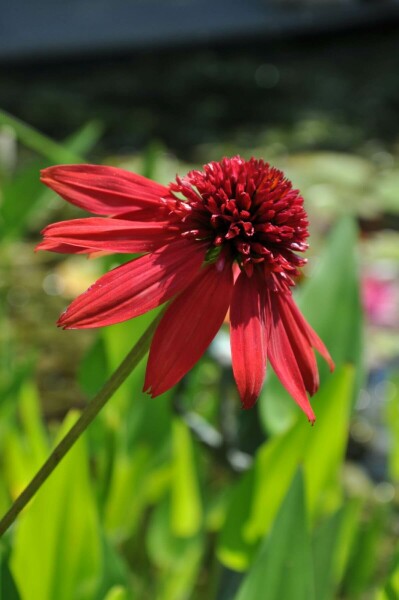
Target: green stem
87	416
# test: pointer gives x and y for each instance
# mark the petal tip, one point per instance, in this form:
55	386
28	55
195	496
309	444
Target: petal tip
148	389
63	321
46	174
310	415
249	401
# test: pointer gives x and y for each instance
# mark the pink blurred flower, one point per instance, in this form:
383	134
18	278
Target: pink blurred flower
380	300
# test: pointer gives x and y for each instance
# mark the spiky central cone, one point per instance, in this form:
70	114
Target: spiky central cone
250	209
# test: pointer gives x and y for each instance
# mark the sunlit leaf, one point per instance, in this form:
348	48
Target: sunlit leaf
392	424
319	452
117	593
349	529
390	590
234	549
283	567
126	496
185	499
177	558
57	550
324	544
30	415
24	451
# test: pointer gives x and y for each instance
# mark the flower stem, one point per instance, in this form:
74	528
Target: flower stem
87	416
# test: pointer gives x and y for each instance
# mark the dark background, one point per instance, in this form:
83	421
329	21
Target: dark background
191	73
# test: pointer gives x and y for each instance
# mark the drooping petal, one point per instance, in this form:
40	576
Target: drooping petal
283	360
300	343
136	287
248	336
103	190
314	339
111	235
188	326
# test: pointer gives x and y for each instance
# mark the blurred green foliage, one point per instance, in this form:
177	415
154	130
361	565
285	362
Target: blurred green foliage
186	496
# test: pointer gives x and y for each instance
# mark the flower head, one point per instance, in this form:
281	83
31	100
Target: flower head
224	238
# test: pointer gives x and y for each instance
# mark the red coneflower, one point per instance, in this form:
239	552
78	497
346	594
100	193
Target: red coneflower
222	238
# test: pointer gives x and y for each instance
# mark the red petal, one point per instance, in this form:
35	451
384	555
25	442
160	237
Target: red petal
61	248
248	336
283	360
136	287
188	327
312	336
103	190
300	343
111	235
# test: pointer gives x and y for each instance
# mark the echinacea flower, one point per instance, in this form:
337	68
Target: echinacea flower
222	239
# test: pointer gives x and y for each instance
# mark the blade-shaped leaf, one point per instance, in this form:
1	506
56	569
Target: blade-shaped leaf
39	142
8	588
177	558
186	508
319	452
325	540
57	549
283	567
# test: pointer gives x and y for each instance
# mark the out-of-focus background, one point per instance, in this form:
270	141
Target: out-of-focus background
187	496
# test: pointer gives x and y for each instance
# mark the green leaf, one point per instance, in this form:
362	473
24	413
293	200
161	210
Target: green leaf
324	547
117	593
186	507
151	159
22	194
349	527
94	367
321	455
390	591
177	559
83	140
8	588
40	143
127	493
234	549
334	283
387	593
24	454
362	563
283	567
57	546
391	418
115	573
132	436
30	415
118	341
